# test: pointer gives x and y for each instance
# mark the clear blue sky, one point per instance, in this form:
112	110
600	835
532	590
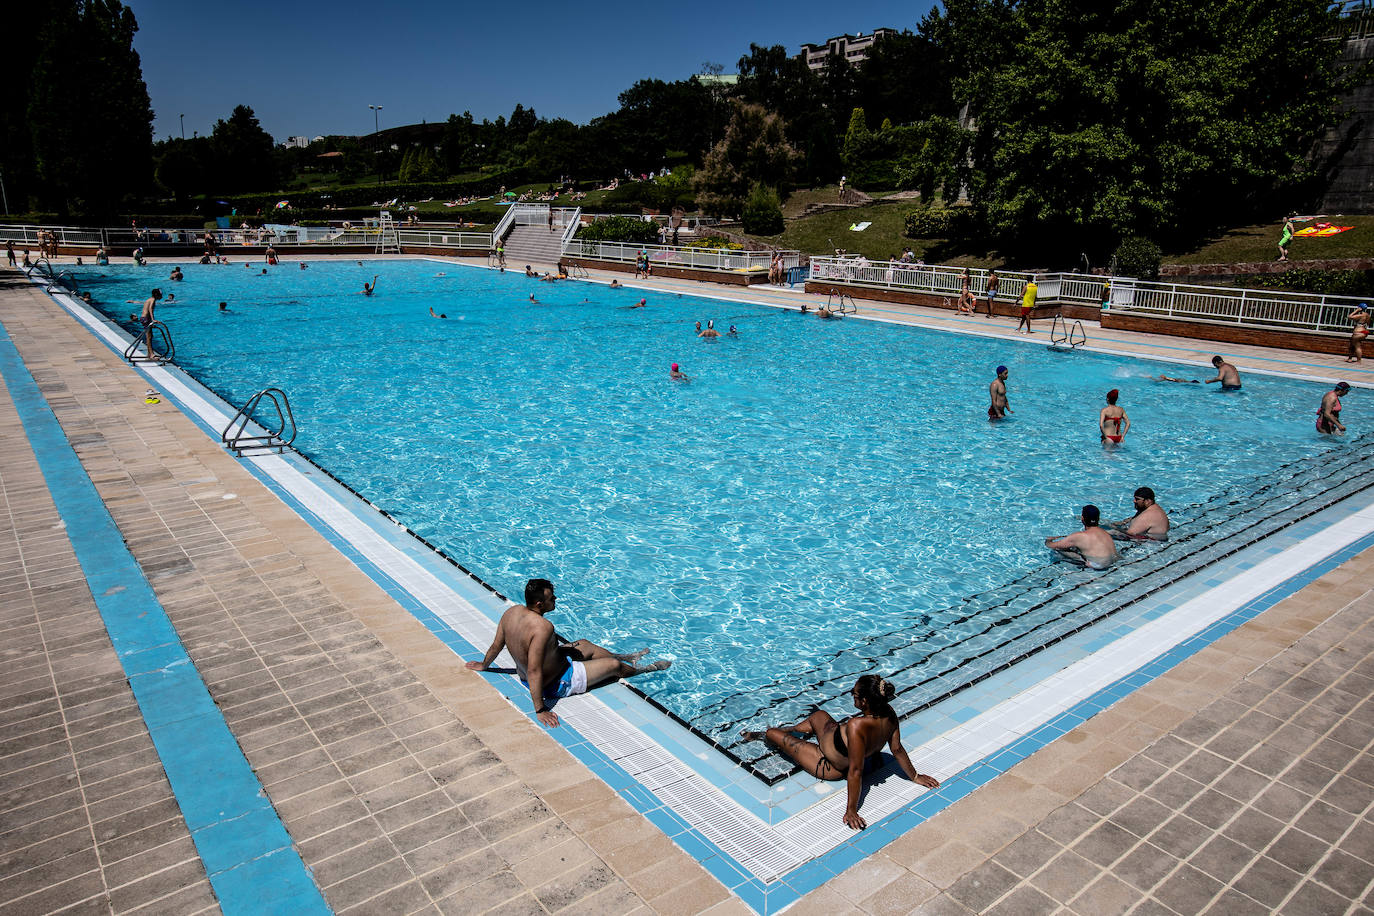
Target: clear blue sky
310	68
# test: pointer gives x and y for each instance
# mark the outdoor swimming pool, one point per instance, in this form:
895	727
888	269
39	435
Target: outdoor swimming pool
822	499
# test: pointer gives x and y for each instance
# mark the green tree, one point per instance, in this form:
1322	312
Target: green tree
753	150
185	167
762	214
1158	119
243	153
89	120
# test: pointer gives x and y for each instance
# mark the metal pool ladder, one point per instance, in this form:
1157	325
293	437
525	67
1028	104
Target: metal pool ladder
841	303
238	438
1064	336
158	333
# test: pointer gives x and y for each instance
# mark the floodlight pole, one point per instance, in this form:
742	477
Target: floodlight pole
376	145
3	194
183	126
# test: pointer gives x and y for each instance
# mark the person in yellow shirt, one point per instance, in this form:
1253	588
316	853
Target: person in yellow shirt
1027	305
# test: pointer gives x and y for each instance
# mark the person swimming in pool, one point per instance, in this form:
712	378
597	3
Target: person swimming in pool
842	749
678	375
1226	374
1092	547
1112	422
368	288
549	665
710	330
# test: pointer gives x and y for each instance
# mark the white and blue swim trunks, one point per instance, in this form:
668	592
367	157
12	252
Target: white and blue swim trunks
573	682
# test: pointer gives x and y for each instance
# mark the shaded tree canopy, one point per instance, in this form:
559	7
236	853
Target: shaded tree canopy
243	153
83	138
1158	118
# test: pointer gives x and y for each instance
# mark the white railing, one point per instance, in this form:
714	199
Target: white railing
570	226
934	280
1218	304
668	256
451	239
1248	307
504	226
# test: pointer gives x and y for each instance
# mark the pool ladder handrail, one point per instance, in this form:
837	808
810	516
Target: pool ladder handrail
841	303
1062	334
154	331
578	272
46	266
67	279
269	439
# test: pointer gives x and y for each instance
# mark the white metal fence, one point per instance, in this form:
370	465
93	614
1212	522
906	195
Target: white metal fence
322	236
1247	307
668	256
929	279
1218	304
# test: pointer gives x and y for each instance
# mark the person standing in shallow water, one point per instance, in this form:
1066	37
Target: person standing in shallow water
1112	422
997	393
842	749
1329	413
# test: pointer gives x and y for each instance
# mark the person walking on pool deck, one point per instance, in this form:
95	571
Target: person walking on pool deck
1150	523
1092	547
1360	317
843	749
1226	374
552	667
1028	305
997	391
990	290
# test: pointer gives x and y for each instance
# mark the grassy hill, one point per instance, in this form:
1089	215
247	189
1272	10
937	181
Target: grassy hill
823	232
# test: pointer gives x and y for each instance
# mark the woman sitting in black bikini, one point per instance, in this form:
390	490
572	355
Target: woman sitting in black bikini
866	733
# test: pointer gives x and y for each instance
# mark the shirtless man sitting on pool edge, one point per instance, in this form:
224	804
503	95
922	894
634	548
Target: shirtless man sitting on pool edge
552	667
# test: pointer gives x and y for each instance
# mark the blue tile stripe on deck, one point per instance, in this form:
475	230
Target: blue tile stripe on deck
247	852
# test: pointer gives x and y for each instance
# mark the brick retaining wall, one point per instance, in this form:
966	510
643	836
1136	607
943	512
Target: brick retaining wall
1307	341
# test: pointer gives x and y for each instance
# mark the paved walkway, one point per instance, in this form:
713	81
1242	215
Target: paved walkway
1240	782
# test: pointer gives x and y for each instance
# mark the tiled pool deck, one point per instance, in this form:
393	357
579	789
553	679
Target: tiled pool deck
348	762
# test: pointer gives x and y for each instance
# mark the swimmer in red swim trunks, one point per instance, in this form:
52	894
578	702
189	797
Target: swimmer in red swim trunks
1113	423
1329	414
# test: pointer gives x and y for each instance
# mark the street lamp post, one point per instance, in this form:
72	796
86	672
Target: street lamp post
376	149
183	126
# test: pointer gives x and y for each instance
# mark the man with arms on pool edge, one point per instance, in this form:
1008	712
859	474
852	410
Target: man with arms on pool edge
1226	374
551	667
1092	547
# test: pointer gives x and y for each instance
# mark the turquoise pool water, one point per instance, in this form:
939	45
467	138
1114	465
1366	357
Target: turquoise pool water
818	488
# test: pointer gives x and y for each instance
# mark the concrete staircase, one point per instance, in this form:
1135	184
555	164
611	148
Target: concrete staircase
533	245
